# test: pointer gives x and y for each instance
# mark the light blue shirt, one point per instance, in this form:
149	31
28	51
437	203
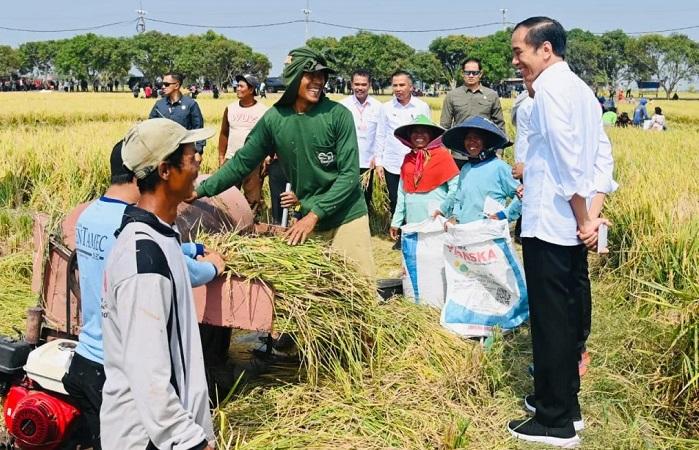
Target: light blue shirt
491	178
94	238
418	206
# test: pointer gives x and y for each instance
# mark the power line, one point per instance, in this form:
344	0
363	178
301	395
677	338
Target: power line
320	22
142	19
661	31
193	25
96	27
387	30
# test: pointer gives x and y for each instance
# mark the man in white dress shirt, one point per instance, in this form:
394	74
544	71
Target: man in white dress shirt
564	138
365	112
402	109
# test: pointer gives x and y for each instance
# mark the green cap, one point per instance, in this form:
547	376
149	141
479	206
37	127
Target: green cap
403	132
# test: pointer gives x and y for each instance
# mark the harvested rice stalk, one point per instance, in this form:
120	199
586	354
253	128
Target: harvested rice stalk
380	211
319	297
424	389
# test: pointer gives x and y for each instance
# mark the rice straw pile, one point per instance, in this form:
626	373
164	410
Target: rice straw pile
320	299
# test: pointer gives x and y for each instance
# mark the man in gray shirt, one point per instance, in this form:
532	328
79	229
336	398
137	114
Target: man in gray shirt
470	100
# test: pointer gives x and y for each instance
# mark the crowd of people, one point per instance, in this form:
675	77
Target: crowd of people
139	367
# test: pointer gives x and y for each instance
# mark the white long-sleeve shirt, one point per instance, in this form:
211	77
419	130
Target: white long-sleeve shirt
604	163
523	104
564	139
366	119
390	151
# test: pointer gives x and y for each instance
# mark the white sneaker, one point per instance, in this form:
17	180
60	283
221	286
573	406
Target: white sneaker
578	423
532	431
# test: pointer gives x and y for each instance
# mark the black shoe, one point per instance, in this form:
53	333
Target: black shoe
532	431
578	422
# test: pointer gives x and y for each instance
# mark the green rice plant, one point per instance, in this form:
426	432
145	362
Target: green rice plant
15	294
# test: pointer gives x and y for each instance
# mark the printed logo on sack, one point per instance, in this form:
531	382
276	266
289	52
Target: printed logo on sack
479	257
460	266
326	158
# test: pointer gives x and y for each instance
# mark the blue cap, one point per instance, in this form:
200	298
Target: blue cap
495	138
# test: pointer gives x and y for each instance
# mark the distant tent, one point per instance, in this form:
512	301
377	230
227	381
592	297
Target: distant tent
648	85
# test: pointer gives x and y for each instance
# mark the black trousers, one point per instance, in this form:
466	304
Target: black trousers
84	382
392	182
277	185
553	274
584	291
369	189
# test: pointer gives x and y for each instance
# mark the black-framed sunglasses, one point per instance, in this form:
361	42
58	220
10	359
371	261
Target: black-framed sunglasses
472	73
166	84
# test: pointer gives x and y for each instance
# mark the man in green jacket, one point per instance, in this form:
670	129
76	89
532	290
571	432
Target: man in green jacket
315	141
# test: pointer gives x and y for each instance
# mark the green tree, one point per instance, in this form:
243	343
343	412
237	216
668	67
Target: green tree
10	60
668	59
495	53
616	56
117	61
584	53
426	67
190	56
451	51
154	53
323	43
92	57
38	57
259	65
214	57
381	54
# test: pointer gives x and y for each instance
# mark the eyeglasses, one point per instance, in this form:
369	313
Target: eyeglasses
472	73
166	84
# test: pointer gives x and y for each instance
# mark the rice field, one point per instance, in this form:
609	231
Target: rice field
417	386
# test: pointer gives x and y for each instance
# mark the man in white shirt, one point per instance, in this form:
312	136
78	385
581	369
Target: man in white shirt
402	109
564	140
365	112
521	112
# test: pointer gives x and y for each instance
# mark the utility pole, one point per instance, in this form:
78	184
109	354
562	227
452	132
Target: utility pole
307	12
504	19
141	20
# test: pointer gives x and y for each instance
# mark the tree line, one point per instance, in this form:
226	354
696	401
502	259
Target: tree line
611	59
91	57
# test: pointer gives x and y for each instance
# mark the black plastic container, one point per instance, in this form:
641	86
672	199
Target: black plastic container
13	355
388	287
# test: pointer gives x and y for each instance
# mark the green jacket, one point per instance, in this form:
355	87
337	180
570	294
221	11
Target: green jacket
319	154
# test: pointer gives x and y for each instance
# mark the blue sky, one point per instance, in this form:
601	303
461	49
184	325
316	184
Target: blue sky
593	15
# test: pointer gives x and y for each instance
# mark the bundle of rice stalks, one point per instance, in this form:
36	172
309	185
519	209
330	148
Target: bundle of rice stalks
320	299
380	210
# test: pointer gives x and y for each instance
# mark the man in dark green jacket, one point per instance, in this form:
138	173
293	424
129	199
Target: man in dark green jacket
315	141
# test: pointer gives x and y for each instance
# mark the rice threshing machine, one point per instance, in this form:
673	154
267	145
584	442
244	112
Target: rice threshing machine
38	412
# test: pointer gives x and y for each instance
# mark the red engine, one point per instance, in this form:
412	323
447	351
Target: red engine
36	419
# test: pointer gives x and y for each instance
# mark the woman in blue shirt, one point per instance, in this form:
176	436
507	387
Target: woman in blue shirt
484	176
